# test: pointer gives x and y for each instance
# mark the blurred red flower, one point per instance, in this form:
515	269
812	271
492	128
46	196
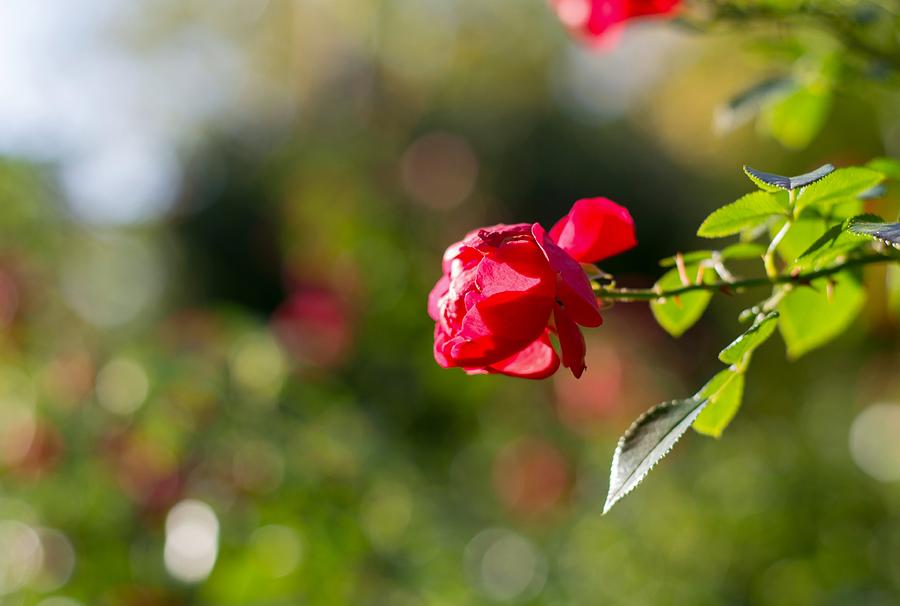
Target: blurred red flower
315	325
502	285
597	21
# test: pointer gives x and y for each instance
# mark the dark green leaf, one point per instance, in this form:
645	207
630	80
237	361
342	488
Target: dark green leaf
809	319
889	233
746	212
773	182
724	393
755	336
677	314
841	185
647	441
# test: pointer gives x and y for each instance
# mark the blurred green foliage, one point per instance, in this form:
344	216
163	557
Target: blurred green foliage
237	404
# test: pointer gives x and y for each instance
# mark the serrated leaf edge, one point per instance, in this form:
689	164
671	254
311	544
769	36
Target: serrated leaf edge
614	497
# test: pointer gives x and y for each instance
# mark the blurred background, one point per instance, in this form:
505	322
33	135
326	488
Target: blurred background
219	222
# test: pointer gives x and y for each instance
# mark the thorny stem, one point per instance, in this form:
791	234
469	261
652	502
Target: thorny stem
649	294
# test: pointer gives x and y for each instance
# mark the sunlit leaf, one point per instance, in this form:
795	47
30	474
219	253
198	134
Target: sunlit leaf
810	319
839	186
743	250
724	393
746	212
800	236
890	167
773	182
746	105
838	241
647	441
755	336
796	120
695	256
677	314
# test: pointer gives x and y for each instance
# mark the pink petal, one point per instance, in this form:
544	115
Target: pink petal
595	229
571	341
537	361
573	287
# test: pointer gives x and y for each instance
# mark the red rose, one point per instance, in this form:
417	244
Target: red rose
597	20
502	285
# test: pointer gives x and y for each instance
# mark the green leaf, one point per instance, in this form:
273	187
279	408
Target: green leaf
841	185
889	233
743	250
890	167
797	119
746	212
809	319
772	182
748	103
724	393
800	236
694	256
677	314
892	285
647	441
838	241
755	336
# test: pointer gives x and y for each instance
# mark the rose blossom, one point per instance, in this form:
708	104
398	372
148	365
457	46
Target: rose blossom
596	21
506	287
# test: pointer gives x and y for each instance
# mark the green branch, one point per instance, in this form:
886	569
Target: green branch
650	294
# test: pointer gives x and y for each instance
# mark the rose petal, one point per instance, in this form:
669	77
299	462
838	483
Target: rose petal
638	8
595	229
537	361
498	327
571	341
440	289
440	346
573	287
517	266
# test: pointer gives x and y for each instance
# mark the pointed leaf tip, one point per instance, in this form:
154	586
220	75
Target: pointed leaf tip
647	441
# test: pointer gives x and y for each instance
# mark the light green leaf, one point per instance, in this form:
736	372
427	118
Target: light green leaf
809	319
677	314
746	212
724	393
838	241
743	250
799	237
694	256
797	119
890	167
647	441
755	336
840	186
